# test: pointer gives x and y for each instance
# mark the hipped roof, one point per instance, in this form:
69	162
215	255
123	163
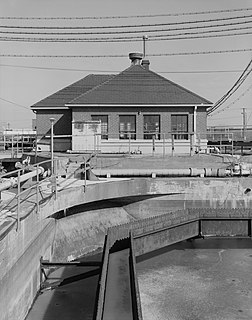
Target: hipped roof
63	96
133	86
136	85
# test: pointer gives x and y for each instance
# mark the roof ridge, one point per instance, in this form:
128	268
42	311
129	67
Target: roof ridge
99	85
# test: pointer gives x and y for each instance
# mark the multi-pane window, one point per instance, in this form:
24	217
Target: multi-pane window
179	123
151	126
104	125
127	127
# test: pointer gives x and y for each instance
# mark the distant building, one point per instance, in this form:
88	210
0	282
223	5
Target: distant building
135	110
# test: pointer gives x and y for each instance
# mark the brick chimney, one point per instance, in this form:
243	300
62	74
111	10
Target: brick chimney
135	58
146	64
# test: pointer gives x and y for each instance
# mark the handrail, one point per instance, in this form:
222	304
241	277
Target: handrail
17	180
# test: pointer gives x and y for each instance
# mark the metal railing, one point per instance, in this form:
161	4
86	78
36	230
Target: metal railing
33	194
220	142
129	142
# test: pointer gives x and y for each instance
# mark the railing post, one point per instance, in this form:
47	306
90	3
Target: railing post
18	201
172	144
37	188
129	142
55	178
17	145
153	144
85	175
12	147
191	144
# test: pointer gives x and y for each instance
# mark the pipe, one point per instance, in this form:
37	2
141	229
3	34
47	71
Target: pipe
195	125
12	182
190	172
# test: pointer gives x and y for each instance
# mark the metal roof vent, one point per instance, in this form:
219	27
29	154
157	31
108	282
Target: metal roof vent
136	58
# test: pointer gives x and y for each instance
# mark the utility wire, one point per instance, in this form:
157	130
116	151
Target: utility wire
232	103
237	84
231	91
126	39
115	71
14	103
123	26
128	31
128	16
123	55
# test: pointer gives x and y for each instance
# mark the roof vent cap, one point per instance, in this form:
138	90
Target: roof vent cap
135	57
146	64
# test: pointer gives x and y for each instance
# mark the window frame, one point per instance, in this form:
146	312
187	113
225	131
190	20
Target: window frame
127	134
104	134
151	134
184	135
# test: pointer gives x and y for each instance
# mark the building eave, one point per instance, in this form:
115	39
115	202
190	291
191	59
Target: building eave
50	108
139	105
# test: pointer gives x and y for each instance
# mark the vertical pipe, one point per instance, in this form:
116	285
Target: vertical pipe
244	123
55	177
12	147
18	200
129	142
37	188
195	125
17	145
163	144
85	175
22	148
232	144
36	147
144	45
52	162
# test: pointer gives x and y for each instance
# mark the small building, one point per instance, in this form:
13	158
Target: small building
136	110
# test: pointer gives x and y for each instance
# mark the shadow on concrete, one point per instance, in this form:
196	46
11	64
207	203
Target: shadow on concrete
72	294
102	204
207	243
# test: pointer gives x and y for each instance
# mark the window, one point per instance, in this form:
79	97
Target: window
179	123
104	125
127	127
151	126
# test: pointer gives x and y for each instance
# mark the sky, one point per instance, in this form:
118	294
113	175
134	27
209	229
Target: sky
26	80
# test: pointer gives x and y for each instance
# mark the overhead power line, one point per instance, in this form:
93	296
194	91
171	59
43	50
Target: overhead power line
14	103
115	71
183	36
128	16
128	31
233	89
123	26
123	55
232	103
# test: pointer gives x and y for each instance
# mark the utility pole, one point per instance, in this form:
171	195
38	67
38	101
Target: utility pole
244	122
